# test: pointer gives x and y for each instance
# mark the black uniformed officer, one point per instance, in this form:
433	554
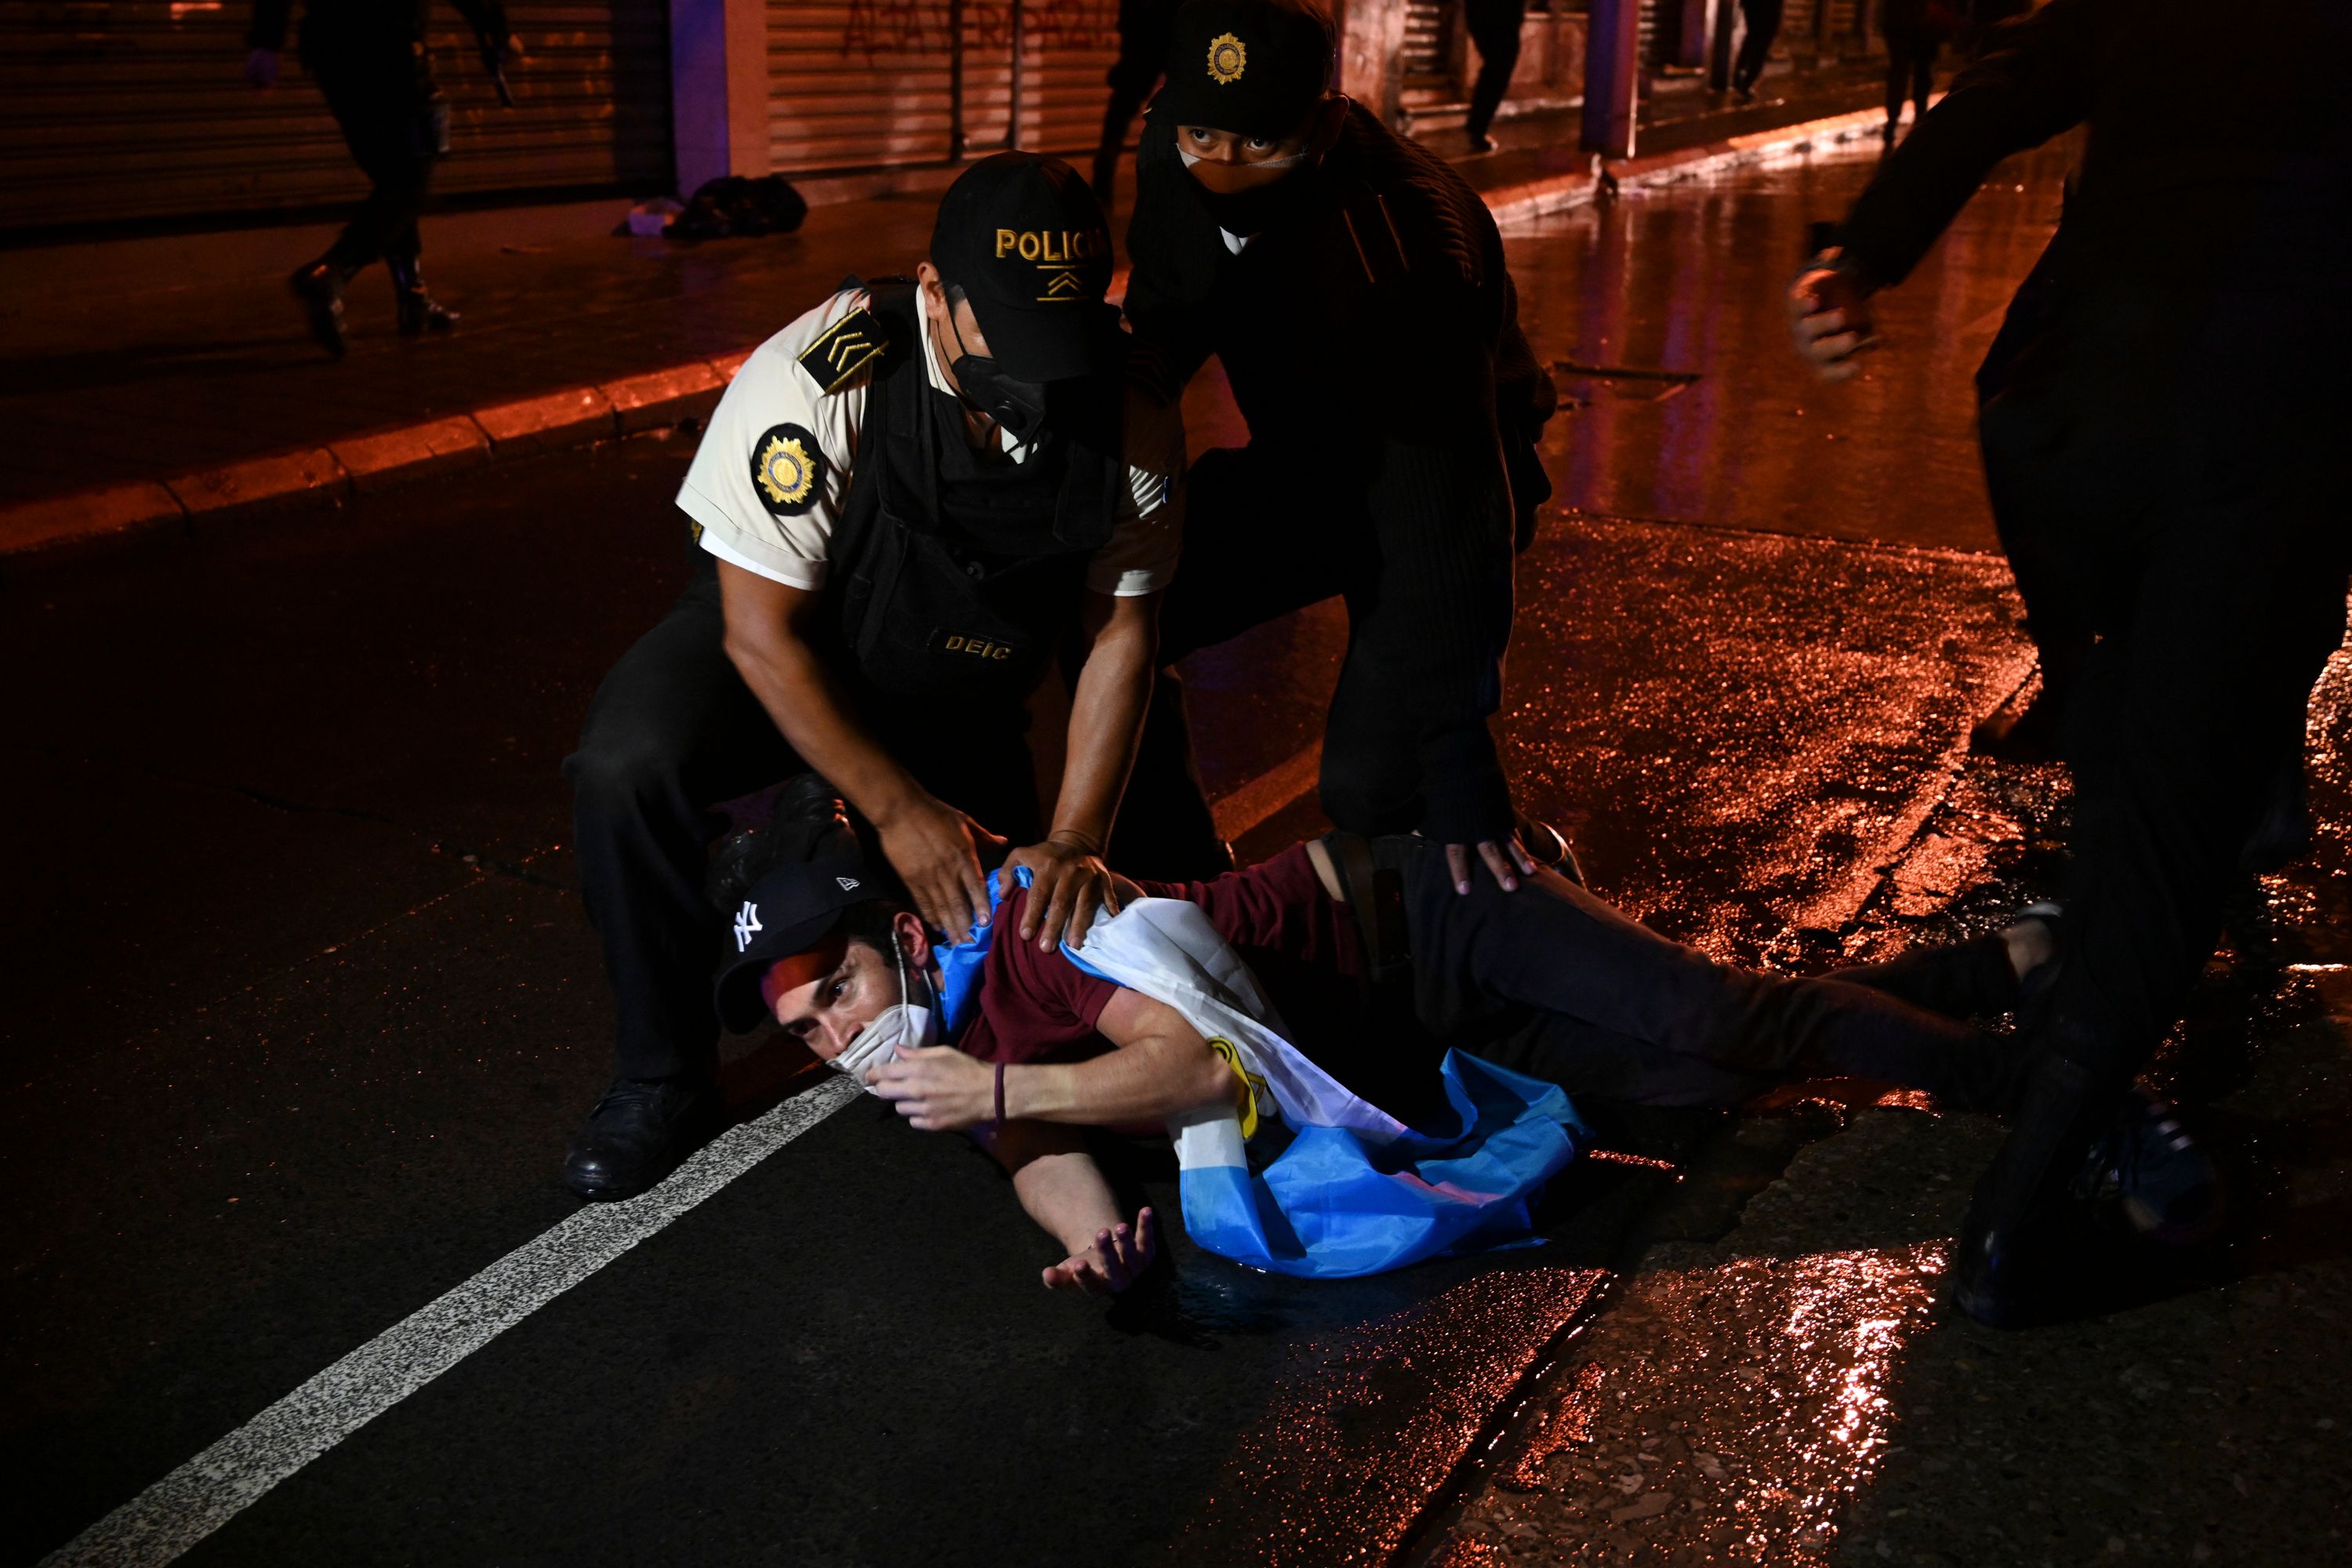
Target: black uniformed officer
908	502
1353	286
2183	413
370	60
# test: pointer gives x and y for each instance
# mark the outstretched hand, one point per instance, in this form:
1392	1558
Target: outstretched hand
1116	1260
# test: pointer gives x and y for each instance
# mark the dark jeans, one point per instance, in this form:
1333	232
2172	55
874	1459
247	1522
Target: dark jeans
1763	18
1494	27
673	731
1553	981
377	110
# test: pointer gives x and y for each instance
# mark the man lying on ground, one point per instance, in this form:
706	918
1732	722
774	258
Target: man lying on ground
1379	965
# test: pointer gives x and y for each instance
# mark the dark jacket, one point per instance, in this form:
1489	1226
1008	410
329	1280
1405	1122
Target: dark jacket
1372	334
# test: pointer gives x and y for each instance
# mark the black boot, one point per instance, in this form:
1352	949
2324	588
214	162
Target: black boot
419	311
804	820
638	1133
319	287
2020	1253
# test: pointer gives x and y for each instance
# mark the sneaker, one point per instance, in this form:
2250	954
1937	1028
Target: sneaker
2154	1176
638	1133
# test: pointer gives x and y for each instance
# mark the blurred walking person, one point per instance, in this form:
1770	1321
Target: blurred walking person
1915	31
1144	27
372	65
2178	415
1763	20
1494	26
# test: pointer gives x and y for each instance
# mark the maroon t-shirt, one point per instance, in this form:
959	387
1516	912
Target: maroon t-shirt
1299	942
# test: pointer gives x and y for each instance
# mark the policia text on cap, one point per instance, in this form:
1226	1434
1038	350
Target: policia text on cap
1354	287
908	502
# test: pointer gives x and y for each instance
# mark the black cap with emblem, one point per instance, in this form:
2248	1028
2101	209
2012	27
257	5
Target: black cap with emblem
789	910
1024	239
1256	67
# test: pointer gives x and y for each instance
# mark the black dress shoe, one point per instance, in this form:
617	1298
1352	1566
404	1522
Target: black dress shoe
806	819
2022	1249
638	1133
1547	847
319	287
419	311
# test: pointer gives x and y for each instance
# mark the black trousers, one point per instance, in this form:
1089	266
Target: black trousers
1265	534
673	731
1143	28
1494	27
1763	19
1553	981
376	104
2193	447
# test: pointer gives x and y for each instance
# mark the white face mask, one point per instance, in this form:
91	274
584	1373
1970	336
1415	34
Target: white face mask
900	1026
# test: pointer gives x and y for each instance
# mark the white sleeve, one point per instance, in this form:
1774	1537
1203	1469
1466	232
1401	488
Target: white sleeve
1140	557
768	481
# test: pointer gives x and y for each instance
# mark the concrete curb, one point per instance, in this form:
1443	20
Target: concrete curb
582	416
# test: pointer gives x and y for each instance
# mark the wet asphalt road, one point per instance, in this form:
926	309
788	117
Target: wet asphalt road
303	1007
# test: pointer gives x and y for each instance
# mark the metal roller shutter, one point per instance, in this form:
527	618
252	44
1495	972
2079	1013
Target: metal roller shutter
878	84
114	109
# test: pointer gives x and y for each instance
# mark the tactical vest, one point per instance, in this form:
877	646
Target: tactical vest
959	574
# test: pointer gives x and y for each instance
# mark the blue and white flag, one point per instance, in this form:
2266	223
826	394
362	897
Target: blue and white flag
1357	1192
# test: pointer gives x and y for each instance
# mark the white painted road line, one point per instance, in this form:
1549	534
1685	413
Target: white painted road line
207	1492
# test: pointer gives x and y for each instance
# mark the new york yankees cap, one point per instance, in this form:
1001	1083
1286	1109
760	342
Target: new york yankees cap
789	910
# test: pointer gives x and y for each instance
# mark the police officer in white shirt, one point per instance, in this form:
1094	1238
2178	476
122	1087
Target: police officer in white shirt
910	501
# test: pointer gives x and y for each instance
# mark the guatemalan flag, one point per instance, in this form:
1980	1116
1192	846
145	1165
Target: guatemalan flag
1357	1191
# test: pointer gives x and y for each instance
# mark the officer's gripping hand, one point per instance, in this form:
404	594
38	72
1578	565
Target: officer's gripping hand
1116	1260
1068	882
1829	317
261	69
935	849
1503	857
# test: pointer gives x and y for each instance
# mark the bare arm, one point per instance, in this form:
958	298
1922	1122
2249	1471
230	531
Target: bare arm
1062	1188
1162	1065
932	846
1069	877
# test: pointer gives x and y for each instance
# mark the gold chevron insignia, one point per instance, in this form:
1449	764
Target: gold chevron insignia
843	349
1063	287
1227	57
785	471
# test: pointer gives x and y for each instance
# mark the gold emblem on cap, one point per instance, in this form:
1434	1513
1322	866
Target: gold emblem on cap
785	471
1227	57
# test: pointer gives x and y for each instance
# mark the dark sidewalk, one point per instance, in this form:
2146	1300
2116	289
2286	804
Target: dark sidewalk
146	359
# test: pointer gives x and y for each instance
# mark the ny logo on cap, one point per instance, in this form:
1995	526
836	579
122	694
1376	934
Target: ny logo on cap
747	922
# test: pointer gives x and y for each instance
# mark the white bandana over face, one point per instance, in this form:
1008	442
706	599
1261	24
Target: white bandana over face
902	1025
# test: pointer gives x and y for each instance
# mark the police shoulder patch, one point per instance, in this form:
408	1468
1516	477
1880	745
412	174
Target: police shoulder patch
844	349
788	470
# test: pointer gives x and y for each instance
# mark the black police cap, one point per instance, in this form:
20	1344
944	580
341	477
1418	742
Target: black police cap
789	910
1256	67
1024	238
